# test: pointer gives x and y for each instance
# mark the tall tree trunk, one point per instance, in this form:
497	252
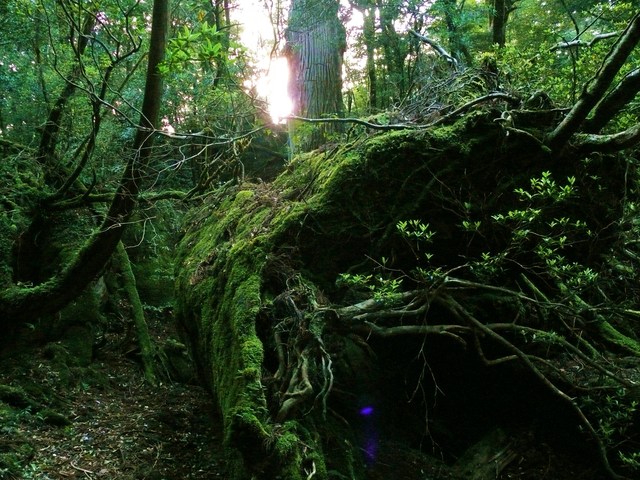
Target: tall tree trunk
499	22
21	304
369	33
368	10
500	11
219	15
315	47
316	41
394	55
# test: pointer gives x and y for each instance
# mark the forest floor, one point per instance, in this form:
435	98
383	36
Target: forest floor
103	421
109	424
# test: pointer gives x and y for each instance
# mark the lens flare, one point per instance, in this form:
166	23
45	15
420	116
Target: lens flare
366	411
273	87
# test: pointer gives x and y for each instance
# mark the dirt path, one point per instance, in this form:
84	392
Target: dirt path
115	428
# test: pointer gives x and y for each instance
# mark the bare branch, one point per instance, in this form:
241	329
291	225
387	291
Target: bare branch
373	126
438	48
485	98
583	43
447	330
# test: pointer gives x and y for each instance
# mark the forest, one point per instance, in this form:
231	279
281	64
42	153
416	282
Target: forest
319	239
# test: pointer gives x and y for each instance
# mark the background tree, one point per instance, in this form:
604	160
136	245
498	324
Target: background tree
500	11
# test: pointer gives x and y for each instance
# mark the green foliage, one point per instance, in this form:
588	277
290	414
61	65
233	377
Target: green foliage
202	44
382	288
536	27
632	459
614	413
538	228
415	230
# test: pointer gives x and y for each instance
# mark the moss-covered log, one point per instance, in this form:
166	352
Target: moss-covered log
313	377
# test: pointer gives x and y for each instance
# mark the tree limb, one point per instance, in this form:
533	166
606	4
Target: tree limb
615	100
595	89
373	126
590	142
438	48
10	147
474	102
583	43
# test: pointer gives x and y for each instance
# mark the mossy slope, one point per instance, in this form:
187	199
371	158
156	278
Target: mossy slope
321	216
326	214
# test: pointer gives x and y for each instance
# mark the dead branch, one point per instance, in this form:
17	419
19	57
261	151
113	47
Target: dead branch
438	49
445	330
485	98
583	43
404	126
358	121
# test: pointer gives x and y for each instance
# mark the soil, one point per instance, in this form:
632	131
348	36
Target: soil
109	425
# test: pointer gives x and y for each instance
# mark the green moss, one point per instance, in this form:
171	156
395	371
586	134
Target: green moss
618	339
327	211
15	397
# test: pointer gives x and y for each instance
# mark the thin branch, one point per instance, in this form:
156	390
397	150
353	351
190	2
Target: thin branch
418	330
403	126
458	310
485	98
373	126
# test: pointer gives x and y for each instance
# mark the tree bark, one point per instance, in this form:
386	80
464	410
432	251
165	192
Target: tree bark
316	41
499	18
315	46
21	304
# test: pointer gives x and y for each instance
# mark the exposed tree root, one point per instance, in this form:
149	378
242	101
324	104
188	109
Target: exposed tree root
305	365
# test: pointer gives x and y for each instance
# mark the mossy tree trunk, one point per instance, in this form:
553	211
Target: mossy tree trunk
147	348
19	303
490	257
